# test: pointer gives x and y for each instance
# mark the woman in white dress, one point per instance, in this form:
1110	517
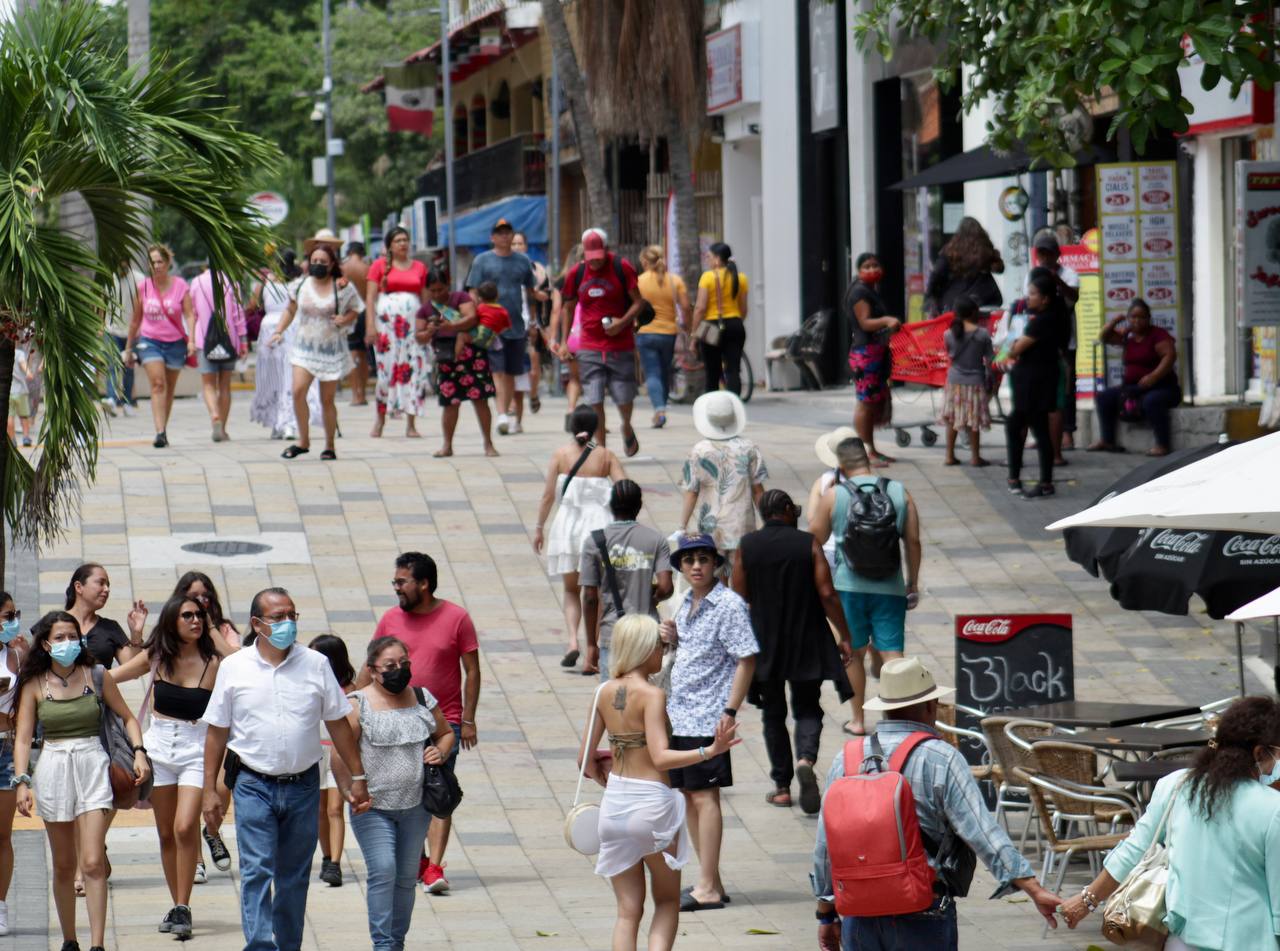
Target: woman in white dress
580	476
642	819
272	405
324	310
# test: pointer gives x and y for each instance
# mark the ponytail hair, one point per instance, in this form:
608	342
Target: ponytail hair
654	259
966	309
1228	759
725	254
79	576
583	422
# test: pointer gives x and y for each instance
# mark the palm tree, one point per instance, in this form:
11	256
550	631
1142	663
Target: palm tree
78	119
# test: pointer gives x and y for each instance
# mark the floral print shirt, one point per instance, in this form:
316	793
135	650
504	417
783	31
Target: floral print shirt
712	640
722	472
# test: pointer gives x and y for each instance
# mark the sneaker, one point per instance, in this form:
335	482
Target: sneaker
166	925
433	880
109	406
4	918
331	873
201	876
128	410
290	433
217	850
504	424
515	430
181	927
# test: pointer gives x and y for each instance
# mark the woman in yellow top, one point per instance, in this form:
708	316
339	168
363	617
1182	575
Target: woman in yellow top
722	300
656	341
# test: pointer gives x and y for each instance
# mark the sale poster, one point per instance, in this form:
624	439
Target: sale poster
1159	237
1120	237
1258	243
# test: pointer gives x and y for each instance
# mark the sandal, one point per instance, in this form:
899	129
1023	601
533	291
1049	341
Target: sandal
328	455
630	441
688	890
951	462
569	659
689	903
848	723
779	797
294	452
535	402
979	463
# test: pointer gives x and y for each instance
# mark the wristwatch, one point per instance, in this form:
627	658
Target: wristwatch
731	712
139	748
827	917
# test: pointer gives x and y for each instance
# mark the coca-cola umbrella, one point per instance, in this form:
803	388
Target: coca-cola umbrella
1098	549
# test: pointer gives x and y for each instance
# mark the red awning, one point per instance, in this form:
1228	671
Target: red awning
465	56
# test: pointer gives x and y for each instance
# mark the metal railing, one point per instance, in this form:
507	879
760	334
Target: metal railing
514	166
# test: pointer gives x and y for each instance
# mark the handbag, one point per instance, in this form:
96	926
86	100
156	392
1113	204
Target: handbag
115	741
441	792
582	824
1134	914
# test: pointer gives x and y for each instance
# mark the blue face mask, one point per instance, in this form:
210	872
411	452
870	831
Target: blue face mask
65	652
283	634
1272	777
9	630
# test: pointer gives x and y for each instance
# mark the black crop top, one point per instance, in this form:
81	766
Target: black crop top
181	703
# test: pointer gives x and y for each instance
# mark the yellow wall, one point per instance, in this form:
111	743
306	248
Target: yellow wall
519	70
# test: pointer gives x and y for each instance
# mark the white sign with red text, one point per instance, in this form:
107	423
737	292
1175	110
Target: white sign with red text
1138	218
1258	243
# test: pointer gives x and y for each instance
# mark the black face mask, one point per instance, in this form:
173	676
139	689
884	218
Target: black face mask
319	270
394	681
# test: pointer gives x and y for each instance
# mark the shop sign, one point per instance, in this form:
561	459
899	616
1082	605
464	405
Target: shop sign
724	68
1258	243
1214	110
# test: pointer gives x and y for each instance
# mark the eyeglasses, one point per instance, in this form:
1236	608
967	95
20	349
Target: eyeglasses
11	616
399	583
698	558
391	668
276	618
191	616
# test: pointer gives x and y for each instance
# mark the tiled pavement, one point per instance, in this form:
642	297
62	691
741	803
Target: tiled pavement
515	882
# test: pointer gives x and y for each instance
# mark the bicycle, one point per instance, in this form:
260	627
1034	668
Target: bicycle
687	373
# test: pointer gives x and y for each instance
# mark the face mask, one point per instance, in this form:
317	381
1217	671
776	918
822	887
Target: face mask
871	276
9	630
65	652
1272	777
319	270
394	681
283	634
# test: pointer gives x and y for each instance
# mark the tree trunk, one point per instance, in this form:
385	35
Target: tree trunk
599	197
7	348
682	181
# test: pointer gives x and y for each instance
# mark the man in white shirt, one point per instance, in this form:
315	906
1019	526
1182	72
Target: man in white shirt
264	717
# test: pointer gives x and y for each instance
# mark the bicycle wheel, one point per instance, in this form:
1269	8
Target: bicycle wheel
748	379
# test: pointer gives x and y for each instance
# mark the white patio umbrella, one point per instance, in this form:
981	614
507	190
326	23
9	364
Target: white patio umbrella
1237	489
1266	606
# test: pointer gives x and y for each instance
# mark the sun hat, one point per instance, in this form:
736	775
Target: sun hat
323	236
825	446
904	682
719	415
699	542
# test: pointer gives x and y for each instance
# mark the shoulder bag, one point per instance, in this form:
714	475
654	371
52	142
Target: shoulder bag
115	741
587	450
1134	914
708	331
582	824
441	792
610	574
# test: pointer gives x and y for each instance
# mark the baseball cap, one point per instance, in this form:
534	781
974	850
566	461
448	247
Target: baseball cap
502	224
1046	241
593	247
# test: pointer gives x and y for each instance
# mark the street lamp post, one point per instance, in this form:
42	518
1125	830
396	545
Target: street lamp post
448	140
327	89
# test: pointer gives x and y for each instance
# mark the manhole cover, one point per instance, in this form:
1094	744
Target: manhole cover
227	549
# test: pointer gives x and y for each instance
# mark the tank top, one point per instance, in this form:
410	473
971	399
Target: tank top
7	695
69	719
180	703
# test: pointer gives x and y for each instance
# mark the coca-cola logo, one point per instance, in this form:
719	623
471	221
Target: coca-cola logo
1242	546
1157	196
1117	200
1182	543
993	627
1119	247
1158	245
1121	293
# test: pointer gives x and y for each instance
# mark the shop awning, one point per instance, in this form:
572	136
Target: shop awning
469	49
527	214
984	162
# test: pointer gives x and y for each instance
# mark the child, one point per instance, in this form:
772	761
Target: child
20	397
332	829
964	405
494	318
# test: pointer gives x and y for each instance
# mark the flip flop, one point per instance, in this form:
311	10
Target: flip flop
328	455
810	795
569	659
535	403
631	442
851	732
591	672
951	462
780	798
688	890
294	451
689	903
980	464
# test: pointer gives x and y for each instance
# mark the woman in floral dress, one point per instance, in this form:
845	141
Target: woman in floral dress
396	290
462	370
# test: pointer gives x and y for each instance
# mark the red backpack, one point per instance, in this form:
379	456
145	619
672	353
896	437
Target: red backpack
878	862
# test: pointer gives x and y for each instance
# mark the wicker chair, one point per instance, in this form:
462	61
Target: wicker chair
987	770
1008	756
1077	765
1041	792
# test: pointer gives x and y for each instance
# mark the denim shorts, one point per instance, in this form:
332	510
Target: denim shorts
172	352
452	761
212	366
6	763
880	619
512	357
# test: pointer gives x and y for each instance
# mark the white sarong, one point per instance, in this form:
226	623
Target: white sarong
639	817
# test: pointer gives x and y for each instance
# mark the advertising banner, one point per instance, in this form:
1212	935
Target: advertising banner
1258	243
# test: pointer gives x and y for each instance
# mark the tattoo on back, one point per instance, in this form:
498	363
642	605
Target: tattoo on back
620	699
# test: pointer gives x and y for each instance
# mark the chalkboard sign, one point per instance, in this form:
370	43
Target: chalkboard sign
1005	661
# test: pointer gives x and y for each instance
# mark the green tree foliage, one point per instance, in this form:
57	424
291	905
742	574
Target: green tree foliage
1037	61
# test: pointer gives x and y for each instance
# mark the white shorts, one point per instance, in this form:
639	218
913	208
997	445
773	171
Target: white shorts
326	775
176	748
71	779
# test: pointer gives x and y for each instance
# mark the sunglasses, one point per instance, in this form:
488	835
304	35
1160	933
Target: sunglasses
191	616
698	559
11	616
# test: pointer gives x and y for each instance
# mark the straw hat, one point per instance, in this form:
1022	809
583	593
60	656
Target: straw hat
323	236
825	447
719	415
904	682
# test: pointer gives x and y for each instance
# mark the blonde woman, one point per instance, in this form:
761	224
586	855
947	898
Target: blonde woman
656	341
642	819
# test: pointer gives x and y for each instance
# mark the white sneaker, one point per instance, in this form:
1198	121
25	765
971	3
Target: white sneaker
128	410
201	876
4	918
504	424
515	429
291	434
109	406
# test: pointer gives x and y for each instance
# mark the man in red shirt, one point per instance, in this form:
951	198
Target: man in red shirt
442	647
605	286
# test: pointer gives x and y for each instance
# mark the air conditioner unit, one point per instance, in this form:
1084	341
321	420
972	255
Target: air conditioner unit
426	229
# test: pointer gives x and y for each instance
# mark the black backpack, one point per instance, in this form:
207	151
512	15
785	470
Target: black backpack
871	531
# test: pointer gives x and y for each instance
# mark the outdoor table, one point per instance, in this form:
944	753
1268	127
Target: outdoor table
1140	739
1100	713
1147	771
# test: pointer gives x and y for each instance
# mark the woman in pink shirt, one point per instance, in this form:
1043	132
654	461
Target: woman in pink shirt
215	370
161	335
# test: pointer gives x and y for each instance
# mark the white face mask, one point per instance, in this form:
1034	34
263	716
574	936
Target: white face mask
1271	777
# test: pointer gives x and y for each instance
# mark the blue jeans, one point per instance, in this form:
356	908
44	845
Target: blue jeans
934	928
391	842
656	353
124	393
275	837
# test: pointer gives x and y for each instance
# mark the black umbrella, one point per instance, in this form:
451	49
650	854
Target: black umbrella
1098	550
985	162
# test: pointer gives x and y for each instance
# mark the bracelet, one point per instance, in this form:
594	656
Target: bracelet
20	779
468	722
139	749
360	779
1089	898
702	751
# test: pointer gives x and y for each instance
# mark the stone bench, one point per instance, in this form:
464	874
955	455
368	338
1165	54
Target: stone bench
1192	426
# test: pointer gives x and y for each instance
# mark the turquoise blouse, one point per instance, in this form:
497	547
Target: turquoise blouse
1223	892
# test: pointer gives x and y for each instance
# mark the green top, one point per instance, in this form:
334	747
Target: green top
845	578
69	719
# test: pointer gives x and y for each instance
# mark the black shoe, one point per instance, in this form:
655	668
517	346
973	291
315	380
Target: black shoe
331	873
217	850
1015	487
294	451
166	925
71	946
1044	489
161	440
181	922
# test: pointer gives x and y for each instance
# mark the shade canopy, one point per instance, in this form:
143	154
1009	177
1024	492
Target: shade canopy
985	162
1266	606
527	214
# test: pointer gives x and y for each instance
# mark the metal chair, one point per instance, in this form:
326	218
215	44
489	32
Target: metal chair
1007	756
1206	718
987	770
1042	793
1077	765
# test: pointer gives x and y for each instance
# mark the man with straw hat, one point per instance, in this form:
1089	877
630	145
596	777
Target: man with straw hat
952	815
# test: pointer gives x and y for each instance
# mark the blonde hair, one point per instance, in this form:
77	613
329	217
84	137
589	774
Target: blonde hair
573	258
654	259
164	251
635	636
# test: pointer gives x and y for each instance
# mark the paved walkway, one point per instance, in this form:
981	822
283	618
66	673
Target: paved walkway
337	527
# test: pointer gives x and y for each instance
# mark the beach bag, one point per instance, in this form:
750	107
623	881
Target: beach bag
1134	914
441	791
124	794
878	861
582	824
871	531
